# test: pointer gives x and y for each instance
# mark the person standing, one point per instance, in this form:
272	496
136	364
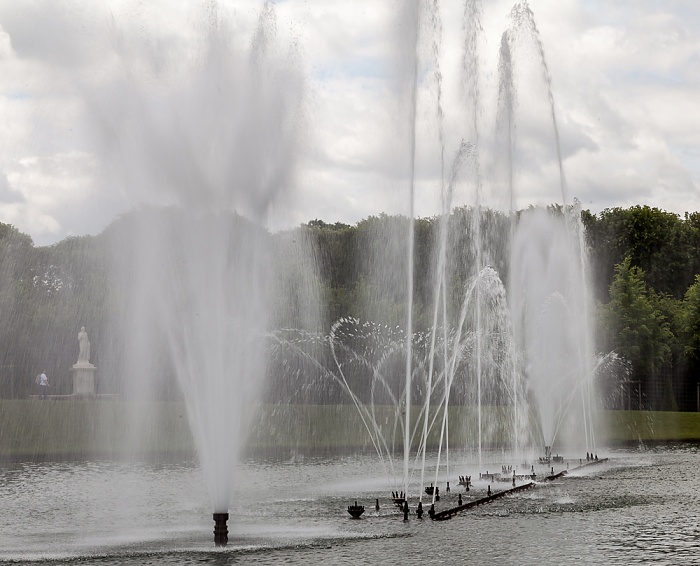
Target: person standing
43	381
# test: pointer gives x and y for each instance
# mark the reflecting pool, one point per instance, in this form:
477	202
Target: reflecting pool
642	506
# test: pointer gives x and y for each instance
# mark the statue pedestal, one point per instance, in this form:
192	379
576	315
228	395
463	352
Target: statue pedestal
83	379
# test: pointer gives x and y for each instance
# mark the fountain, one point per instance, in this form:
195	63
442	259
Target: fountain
535	355
199	283
497	333
502	324
499	322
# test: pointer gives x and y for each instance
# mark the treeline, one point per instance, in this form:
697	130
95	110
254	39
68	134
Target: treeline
46	295
645	265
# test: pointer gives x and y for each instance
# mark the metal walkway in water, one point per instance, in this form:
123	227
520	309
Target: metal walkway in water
448	513
588	464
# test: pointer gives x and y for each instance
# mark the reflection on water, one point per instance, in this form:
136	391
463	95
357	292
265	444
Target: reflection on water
641	507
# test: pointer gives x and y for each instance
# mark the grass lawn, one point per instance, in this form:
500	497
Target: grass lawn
652	426
32	429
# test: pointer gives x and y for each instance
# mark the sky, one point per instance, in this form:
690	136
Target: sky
302	109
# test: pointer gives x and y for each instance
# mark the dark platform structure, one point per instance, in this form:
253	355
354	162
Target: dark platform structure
449	513
553	476
220	529
356	510
589	464
398	498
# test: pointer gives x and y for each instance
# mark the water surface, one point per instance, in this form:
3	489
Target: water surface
641	507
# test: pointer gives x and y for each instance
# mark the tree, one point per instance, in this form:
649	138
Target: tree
16	303
691	324
664	245
635	329
671	310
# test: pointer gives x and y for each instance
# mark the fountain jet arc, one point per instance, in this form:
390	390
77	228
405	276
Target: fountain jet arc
521	339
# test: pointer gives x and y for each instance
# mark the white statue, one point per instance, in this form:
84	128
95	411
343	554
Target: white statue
84	355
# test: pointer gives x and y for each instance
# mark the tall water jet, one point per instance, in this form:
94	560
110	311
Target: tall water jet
464	154
549	275
409	21
562	280
214	136
525	27
550	304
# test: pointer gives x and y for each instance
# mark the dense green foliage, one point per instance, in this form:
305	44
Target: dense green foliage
645	266
632	325
47	294
665	246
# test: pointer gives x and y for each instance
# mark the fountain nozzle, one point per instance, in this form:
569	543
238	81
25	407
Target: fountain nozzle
220	529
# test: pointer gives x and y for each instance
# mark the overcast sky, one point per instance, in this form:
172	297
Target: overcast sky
103	105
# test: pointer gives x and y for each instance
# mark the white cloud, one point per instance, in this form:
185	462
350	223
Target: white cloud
8	194
55	193
625	79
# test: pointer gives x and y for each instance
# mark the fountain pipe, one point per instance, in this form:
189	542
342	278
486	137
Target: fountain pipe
220	529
